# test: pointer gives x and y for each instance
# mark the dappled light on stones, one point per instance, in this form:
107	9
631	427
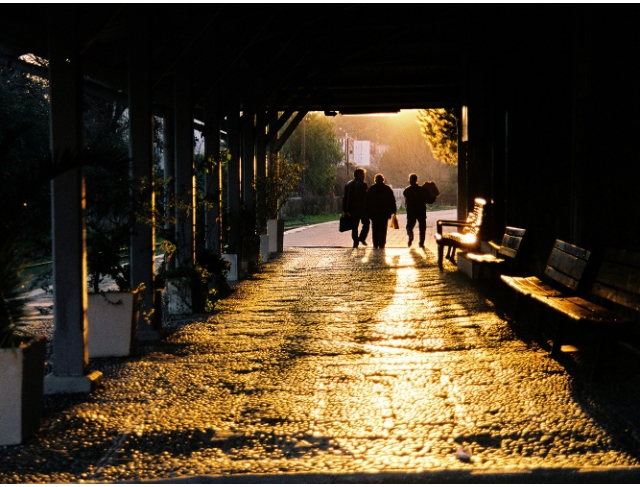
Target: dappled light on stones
334	362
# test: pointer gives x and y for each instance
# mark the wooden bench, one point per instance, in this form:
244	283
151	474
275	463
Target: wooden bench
613	304
477	265
562	275
617	284
467	237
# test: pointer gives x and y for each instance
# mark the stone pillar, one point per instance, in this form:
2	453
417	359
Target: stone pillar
69	374
184	173
142	251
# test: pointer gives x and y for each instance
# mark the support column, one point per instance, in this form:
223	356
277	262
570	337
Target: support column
69	374
142	251
184	174
250	241
169	136
463	157
233	186
261	164
212	215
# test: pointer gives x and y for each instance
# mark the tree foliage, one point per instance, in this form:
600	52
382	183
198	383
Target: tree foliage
408	153
315	147
439	128
274	189
24	136
24	190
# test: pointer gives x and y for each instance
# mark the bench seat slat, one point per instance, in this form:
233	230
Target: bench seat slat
581	310
484	258
530	286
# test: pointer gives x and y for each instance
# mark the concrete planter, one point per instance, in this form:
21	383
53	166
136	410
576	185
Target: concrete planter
275	228
264	248
250	248
113	323
232	259
180	296
21	386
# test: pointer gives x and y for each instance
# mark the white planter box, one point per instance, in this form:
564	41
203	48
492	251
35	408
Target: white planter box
232	275
275	228
113	323
21	390
264	248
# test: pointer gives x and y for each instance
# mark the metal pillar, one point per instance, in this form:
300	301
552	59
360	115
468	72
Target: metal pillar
142	250
70	349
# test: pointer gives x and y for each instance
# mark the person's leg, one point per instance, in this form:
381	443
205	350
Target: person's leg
375	232
355	221
422	225
364	231
411	222
382	238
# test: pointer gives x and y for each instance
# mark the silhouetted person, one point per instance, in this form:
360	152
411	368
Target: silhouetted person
353	204
416	203
381	204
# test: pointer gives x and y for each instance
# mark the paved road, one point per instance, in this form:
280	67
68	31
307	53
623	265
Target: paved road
328	235
343	365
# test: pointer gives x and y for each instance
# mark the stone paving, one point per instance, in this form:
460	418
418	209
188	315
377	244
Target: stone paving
342	365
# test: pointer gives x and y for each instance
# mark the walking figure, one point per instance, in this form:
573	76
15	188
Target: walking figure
354	205
416	203
381	204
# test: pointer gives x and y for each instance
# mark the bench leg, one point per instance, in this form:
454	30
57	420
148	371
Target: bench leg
556	344
603	352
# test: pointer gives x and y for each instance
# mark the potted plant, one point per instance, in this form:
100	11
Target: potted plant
114	307
195	288
272	192
22	358
22	355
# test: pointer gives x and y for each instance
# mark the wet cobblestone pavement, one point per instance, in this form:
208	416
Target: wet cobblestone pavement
338	361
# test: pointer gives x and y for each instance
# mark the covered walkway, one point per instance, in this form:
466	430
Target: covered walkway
341	365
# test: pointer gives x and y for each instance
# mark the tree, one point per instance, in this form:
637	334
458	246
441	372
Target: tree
315	146
24	191
408	153
24	133
439	127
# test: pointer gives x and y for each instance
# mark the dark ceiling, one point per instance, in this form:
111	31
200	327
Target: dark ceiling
347	58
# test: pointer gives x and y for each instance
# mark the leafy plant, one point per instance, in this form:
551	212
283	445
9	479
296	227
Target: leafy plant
274	189
206	279
439	127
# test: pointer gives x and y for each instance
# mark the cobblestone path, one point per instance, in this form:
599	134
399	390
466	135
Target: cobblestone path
334	361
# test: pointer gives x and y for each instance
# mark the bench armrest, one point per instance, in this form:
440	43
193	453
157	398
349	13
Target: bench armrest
452	223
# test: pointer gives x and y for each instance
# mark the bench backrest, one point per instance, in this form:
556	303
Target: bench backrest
511	241
618	279
475	217
566	264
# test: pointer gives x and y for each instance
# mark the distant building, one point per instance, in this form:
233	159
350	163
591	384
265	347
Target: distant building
362	152
359	151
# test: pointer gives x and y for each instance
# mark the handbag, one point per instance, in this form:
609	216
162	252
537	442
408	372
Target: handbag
394	222
346	223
